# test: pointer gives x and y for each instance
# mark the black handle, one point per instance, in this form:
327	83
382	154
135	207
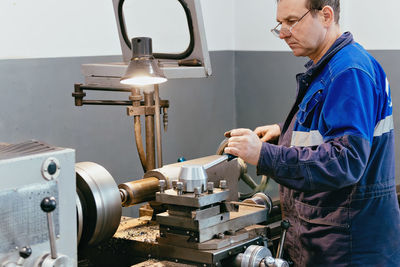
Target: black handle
48	204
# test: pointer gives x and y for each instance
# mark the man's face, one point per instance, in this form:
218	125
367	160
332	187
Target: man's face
308	34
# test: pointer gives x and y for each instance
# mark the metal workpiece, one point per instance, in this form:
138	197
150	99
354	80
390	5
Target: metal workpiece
172	197
193	176
138	191
101	201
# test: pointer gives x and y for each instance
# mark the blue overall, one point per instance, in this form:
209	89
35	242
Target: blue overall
335	163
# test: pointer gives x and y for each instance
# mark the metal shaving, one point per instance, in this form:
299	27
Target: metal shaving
145	233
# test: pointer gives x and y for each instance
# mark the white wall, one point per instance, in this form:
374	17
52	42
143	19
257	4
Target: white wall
61	28
373	23
66	28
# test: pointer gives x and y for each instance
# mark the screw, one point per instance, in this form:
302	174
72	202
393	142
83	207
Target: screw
179	186
210	187
174	184
197	191
161	183
222	184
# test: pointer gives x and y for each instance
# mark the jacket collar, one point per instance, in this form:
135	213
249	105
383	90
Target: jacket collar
313	69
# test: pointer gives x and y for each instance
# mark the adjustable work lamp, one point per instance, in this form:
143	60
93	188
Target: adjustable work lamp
143	68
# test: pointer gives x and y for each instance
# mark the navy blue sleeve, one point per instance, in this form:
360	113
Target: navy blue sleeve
346	123
330	166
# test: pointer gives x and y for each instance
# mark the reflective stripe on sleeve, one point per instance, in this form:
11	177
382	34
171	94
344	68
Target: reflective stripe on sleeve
384	126
312	138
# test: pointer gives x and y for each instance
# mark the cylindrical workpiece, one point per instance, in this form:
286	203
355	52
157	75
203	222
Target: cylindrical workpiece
139	191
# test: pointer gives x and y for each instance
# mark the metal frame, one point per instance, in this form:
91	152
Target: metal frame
194	65
126	42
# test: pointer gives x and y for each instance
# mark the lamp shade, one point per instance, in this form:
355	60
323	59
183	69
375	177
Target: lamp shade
143	68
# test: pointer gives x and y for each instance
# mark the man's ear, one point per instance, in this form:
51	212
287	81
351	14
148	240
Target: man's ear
328	15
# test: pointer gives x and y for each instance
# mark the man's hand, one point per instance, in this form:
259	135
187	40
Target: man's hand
268	132
245	144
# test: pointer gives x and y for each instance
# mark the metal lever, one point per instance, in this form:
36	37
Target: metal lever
284	225
229	156
24	253
48	205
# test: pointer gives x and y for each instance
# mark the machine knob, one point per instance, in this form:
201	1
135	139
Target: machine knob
48	204
52	168
25	252
285	224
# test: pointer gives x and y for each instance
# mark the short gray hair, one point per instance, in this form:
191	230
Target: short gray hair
319	4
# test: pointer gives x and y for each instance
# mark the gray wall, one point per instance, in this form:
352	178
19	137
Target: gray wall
266	87
36	103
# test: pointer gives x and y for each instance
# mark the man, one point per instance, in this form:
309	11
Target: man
335	155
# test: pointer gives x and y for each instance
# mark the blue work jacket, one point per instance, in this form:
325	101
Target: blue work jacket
335	163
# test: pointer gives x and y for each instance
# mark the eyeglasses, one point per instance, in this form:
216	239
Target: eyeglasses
278	30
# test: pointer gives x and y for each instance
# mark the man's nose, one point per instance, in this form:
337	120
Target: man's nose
284	33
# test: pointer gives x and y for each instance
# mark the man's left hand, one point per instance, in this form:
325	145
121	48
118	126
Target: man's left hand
245	144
